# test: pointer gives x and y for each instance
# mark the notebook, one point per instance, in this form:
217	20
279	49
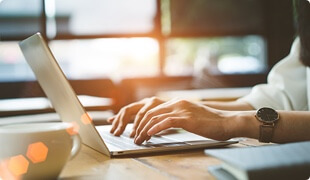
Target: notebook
285	161
67	105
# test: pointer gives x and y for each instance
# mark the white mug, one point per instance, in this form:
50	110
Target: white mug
36	150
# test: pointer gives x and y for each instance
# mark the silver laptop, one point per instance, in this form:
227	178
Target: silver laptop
67	105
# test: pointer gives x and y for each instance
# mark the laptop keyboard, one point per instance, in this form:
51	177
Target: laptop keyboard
124	141
169	138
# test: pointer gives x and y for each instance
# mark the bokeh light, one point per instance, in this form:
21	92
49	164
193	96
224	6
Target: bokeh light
5	173
18	165
37	152
74	129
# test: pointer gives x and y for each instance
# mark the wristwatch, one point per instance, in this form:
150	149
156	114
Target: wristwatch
268	118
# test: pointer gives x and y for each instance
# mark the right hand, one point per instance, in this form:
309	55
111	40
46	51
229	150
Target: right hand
126	114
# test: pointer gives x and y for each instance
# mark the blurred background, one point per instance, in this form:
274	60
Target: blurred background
130	49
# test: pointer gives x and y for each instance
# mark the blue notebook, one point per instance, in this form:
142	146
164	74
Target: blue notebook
285	161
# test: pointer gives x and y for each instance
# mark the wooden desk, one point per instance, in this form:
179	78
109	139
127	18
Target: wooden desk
89	164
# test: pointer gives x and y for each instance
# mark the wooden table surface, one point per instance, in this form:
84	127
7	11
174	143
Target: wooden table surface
90	164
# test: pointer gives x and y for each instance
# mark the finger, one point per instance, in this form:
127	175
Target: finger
151	113
125	116
153	103
154	120
164	107
138	118
176	122
116	120
114	124
110	119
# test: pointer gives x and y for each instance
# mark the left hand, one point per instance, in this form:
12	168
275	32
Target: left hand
193	117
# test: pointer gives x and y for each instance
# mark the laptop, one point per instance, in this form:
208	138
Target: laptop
65	102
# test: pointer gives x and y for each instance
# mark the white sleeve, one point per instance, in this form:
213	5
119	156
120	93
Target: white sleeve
286	87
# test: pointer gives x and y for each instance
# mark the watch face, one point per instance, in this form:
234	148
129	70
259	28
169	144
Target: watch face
267	115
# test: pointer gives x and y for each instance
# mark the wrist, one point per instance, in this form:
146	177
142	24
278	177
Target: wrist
242	124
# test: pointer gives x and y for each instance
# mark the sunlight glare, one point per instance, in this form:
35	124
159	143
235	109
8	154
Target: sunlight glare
143	48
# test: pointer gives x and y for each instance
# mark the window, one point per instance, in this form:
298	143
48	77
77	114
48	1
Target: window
137	38
13	67
19	18
218	55
207	17
90	17
114	58
75	29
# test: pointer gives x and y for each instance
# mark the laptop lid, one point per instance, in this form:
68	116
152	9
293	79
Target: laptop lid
59	91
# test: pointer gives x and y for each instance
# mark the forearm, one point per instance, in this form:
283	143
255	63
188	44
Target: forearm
229	105
292	126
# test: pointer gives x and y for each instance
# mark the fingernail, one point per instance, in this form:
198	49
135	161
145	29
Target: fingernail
149	133
137	140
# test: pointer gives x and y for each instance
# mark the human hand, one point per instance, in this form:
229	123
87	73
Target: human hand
193	117
126	114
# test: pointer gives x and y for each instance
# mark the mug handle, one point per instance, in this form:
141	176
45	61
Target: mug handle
76	145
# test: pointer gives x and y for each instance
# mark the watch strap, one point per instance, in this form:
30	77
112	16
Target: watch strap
266	133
